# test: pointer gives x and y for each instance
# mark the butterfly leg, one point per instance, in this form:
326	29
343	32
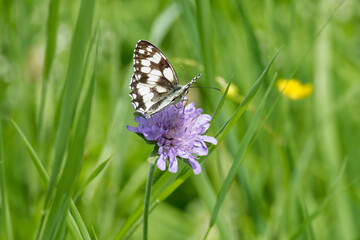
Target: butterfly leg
186	102
178	110
174	116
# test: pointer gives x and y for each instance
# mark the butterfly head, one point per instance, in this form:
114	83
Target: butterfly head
181	91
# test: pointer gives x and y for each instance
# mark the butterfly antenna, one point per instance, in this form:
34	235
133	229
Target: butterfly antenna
194	79
207	87
184	72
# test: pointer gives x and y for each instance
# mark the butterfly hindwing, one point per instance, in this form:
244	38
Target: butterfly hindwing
144	96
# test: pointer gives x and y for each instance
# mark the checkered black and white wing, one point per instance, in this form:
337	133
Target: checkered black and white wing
153	80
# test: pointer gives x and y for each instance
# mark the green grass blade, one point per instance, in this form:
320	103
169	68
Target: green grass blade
250	35
242	107
74	223
52	27
128	227
168	186
133	186
34	157
309	229
222	101
329	141
5	209
203	13
190	26
72	91
315	37
136	224
159	186
335	184
91	177
323	205
208	197
312	217
163	22
79	223
94	233
73	227
205	31
239	155
65	186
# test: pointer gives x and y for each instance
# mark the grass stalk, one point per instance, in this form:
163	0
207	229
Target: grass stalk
52	27
74	222
72	91
328	135
8	233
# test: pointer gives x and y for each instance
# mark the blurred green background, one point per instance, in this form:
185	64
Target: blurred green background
300	176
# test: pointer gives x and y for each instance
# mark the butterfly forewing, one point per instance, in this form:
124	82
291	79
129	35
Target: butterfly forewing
150	62
153	77
154	84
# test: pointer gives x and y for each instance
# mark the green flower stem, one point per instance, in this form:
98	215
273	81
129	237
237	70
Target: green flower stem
152	161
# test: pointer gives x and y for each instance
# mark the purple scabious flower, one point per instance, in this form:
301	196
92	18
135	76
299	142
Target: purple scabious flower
178	132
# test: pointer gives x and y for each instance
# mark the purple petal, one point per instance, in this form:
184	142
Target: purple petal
195	166
161	150
140	120
183	154
198	111
161	162
204	128
149	136
190	107
180	105
173	166
209	139
201	151
203	119
133	129
171	154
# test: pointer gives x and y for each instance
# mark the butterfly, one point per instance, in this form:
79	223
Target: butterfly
154	84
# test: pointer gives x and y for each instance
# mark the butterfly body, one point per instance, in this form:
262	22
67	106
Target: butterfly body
154	84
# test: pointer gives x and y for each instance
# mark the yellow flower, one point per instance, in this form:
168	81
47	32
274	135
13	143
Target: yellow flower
293	89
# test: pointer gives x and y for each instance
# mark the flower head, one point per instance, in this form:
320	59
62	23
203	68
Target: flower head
293	89
178	132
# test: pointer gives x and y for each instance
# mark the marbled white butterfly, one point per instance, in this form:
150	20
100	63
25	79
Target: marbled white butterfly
154	84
